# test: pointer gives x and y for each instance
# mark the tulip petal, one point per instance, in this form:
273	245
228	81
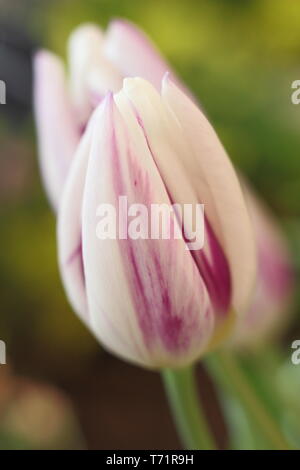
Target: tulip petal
195	167
57	129
148	290
216	182
142	58
169	147
91	74
274	277
69	230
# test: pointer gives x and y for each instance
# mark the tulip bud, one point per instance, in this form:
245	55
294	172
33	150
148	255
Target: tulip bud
97	64
274	281
152	301
57	127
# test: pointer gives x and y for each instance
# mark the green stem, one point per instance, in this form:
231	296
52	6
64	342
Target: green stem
228	371
191	424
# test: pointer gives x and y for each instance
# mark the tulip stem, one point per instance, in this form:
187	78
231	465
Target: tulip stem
229	374
188	415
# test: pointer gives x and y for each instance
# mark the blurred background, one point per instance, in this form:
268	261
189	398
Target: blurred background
59	389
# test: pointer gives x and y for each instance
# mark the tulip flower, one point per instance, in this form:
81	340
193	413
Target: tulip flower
274	274
152	301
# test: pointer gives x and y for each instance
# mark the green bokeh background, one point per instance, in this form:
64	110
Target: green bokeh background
239	58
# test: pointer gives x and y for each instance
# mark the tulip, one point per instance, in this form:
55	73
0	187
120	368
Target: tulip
153	302
274	282
98	63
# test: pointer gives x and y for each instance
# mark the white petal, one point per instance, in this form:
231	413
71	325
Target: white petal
274	284
135	287
69	230
91	74
57	129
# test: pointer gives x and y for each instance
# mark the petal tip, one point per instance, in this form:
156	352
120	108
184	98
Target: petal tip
44	58
83	30
166	80
120	24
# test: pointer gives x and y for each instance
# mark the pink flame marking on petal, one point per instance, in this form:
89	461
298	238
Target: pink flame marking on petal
151	288
150	282
216	275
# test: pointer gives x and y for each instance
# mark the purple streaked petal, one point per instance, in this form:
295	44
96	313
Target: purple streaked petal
215	182
211	261
215	272
140	282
